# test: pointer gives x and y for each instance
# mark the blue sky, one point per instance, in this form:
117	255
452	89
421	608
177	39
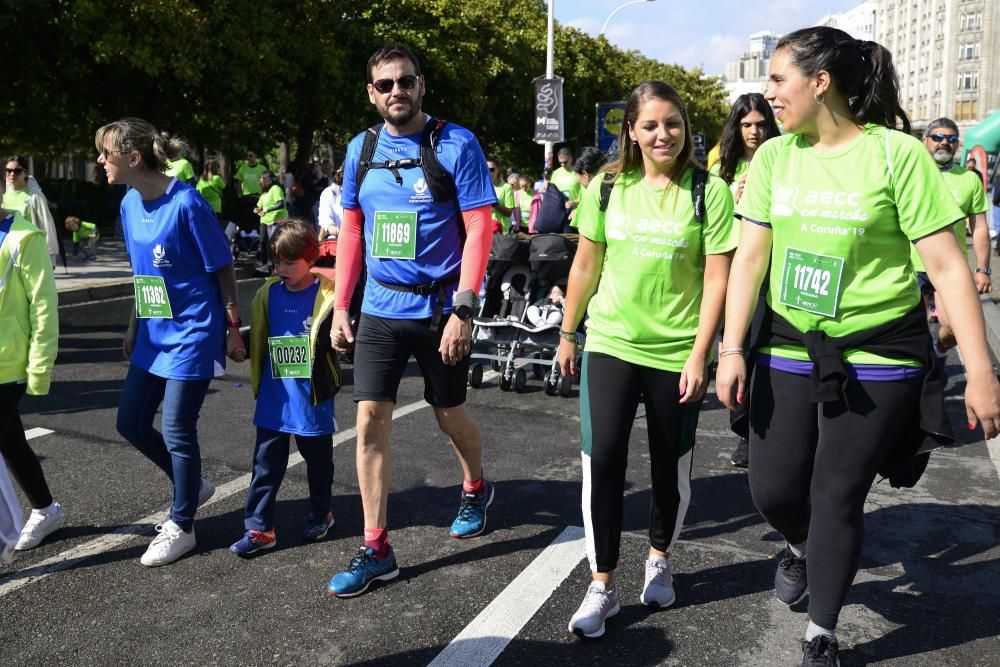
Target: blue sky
708	33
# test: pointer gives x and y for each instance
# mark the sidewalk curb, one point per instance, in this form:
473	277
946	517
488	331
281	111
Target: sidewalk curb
116	290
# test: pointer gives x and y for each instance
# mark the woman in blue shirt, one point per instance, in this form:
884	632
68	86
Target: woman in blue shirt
186	319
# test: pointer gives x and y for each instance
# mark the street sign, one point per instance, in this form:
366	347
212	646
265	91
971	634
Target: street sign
549	124
610	116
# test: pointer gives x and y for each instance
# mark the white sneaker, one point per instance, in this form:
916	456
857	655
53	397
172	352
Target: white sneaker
168	546
205	491
40	524
598	604
658	591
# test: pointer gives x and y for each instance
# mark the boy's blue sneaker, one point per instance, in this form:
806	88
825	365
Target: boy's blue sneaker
254	541
471	519
363	570
317	527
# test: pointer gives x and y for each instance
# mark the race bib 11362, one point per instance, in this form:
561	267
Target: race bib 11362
151	298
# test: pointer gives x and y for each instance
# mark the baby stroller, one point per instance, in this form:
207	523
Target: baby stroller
520	272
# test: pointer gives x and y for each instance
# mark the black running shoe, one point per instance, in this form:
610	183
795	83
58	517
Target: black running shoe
741	455
790	582
820	651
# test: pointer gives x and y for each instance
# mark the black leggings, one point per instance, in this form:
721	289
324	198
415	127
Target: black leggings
21	461
609	395
811	468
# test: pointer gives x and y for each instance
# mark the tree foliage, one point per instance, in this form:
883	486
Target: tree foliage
228	75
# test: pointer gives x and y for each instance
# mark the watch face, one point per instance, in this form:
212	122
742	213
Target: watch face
463	312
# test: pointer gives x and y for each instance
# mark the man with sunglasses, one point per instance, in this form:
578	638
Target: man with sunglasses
566	180
426	252
941	139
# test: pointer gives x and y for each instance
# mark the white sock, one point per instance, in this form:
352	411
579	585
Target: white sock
656	558
604	587
51	509
814	631
798	552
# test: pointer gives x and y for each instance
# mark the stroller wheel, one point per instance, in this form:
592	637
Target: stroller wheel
505	383
565	386
520	380
551	387
476	376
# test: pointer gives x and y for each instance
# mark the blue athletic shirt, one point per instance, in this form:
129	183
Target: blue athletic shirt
285	404
178	238
440	228
5	225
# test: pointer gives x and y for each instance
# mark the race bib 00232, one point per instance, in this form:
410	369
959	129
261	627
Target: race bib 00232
151	298
290	357
395	235
811	282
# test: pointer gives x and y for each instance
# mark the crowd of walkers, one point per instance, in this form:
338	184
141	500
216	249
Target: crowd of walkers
799	240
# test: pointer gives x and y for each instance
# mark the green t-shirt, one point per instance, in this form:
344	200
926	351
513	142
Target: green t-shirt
274	195
86	230
523	199
864	204
568	182
180	169
250	178
648	303
741	168
505	197
211	190
16	201
967	189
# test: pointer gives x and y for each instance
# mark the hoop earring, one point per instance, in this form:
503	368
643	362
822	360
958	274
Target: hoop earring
819	98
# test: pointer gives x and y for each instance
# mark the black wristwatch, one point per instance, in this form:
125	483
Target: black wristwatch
465	304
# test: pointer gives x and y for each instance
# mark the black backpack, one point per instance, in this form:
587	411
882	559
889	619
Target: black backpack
698	181
439	181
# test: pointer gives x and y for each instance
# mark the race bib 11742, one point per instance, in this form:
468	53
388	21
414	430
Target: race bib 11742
151	298
811	282
395	235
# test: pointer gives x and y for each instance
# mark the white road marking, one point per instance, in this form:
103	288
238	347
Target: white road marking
145	525
33	433
485	638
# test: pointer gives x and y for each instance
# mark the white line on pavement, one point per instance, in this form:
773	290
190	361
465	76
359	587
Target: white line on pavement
71	557
33	433
485	638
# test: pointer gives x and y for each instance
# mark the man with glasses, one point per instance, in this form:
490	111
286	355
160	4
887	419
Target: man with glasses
425	247
941	139
566	180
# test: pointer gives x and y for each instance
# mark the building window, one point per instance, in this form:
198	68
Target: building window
968	80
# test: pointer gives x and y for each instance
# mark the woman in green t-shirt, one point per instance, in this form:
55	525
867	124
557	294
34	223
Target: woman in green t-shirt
833	206
211	185
751	123
651	276
270	208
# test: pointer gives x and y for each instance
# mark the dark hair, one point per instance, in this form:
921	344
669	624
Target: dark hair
389	53
861	71
565	151
135	134
21	161
590	161
629	157
270	176
941	122
211	169
294	239
731	147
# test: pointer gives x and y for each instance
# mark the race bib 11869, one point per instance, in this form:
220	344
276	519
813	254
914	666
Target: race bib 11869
811	282
289	357
395	235
151	298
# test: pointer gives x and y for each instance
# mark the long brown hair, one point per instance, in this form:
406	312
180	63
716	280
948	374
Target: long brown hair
628	158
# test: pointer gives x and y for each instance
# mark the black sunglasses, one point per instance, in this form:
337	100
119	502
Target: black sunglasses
406	82
17	171
950	138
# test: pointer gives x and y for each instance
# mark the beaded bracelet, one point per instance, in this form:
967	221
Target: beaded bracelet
571	337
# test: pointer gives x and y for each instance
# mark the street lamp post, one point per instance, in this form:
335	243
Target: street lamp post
618	9
550	69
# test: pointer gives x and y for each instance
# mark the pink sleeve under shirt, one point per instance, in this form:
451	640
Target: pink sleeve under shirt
475	254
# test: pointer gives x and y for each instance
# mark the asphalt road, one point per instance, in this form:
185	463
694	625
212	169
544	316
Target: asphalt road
926	595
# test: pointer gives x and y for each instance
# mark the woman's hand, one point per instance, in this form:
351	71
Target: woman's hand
693	381
730	380
235	349
128	343
982	403
567	358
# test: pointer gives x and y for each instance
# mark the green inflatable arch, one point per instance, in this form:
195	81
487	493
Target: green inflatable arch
985	134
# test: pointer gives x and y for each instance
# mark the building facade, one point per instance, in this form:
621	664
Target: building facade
749	73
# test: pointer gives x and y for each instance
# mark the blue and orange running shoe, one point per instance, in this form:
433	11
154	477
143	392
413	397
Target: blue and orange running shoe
317	527
471	519
364	569
254	541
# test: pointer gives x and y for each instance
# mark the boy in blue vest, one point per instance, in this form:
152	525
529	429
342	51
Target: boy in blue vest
295	376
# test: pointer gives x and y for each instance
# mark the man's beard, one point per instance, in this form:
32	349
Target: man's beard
943	157
401	116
